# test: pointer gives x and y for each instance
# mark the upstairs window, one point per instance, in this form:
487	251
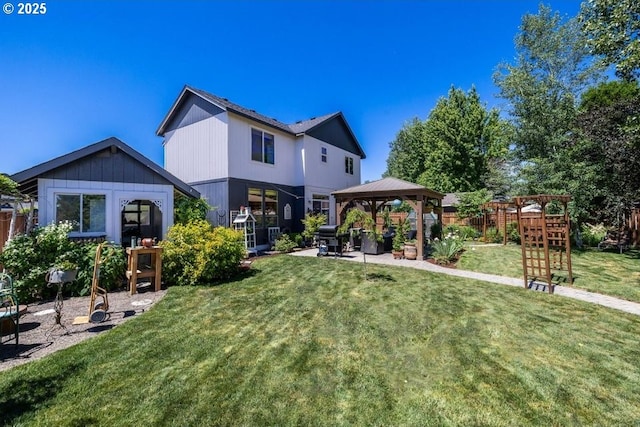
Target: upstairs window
348	165
323	154
262	147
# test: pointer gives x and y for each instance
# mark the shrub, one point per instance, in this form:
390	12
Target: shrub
284	244
188	209
436	230
297	237
196	253
312	223
467	232
447	250
513	233
593	234
451	230
112	268
493	235
28	257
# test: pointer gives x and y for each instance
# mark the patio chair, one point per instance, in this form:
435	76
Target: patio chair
9	311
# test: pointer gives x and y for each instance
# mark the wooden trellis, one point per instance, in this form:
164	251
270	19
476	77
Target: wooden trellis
545	240
497	208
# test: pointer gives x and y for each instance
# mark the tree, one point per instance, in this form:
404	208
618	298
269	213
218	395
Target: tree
605	152
8	187
407	155
552	69
613	30
451	150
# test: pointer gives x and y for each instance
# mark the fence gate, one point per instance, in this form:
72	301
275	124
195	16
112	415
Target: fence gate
545	239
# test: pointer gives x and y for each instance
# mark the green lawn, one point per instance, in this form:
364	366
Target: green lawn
609	273
307	341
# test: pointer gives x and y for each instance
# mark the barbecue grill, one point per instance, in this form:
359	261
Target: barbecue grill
330	240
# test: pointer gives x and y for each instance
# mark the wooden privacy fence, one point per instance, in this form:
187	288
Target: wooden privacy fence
5	221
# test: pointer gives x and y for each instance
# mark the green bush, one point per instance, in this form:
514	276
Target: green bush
436	230
28	257
451	230
297	237
467	232
493	235
312	223
196	253
447	250
513	233
284	244
593	234
112	268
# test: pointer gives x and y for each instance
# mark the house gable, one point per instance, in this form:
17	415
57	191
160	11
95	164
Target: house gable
191	109
110	160
336	131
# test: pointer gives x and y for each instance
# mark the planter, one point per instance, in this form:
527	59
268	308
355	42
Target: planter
371	246
398	254
61	276
410	251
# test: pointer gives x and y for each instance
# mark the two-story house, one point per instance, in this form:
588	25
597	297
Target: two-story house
237	157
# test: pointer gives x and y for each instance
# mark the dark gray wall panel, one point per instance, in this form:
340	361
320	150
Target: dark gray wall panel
336	133
107	167
217	195
191	110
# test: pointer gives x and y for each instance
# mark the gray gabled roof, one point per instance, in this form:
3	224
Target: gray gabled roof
387	187
306	125
294	129
28	177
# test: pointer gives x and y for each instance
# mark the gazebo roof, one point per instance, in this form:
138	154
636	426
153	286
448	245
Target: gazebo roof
387	187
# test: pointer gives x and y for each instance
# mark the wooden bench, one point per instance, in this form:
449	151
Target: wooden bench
615	240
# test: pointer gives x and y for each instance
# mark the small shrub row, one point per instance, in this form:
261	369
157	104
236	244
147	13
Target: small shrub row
28	258
464	232
197	253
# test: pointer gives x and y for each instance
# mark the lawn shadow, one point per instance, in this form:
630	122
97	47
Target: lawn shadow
382	277
21	396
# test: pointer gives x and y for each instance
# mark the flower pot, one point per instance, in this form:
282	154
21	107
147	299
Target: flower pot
371	246
61	276
410	251
398	254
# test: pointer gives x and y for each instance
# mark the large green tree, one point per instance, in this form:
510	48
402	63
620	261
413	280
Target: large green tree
613	30
452	149
544	83
604	153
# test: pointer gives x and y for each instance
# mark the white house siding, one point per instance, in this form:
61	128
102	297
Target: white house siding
199	151
115	194
330	175
240	164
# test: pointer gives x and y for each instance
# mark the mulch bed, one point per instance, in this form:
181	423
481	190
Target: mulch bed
40	335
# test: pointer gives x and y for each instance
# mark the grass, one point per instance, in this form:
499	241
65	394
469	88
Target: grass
307	341
609	273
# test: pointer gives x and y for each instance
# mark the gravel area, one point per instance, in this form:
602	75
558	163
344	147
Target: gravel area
40	335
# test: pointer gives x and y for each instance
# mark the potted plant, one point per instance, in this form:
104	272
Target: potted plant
64	271
410	249
371	238
399	238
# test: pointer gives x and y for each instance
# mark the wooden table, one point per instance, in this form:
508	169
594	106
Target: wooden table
153	271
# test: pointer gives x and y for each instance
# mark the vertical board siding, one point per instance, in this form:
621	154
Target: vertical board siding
283	171
198	152
330	175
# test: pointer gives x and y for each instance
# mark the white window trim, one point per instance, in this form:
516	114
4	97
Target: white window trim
262	162
81	192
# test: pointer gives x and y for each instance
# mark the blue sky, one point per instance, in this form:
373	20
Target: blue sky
88	70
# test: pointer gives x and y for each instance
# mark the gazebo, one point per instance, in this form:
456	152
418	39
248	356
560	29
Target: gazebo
377	193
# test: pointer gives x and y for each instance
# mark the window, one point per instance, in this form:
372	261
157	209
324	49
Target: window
348	165
264	207
262	147
323	154
87	212
321	204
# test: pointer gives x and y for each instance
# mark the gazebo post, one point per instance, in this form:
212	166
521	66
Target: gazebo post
420	225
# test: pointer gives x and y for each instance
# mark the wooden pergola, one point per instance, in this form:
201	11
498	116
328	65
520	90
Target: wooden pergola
377	193
545	240
497	207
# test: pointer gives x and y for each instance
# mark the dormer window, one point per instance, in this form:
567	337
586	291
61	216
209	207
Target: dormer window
262	147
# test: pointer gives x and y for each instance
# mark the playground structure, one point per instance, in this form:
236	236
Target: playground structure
545	240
